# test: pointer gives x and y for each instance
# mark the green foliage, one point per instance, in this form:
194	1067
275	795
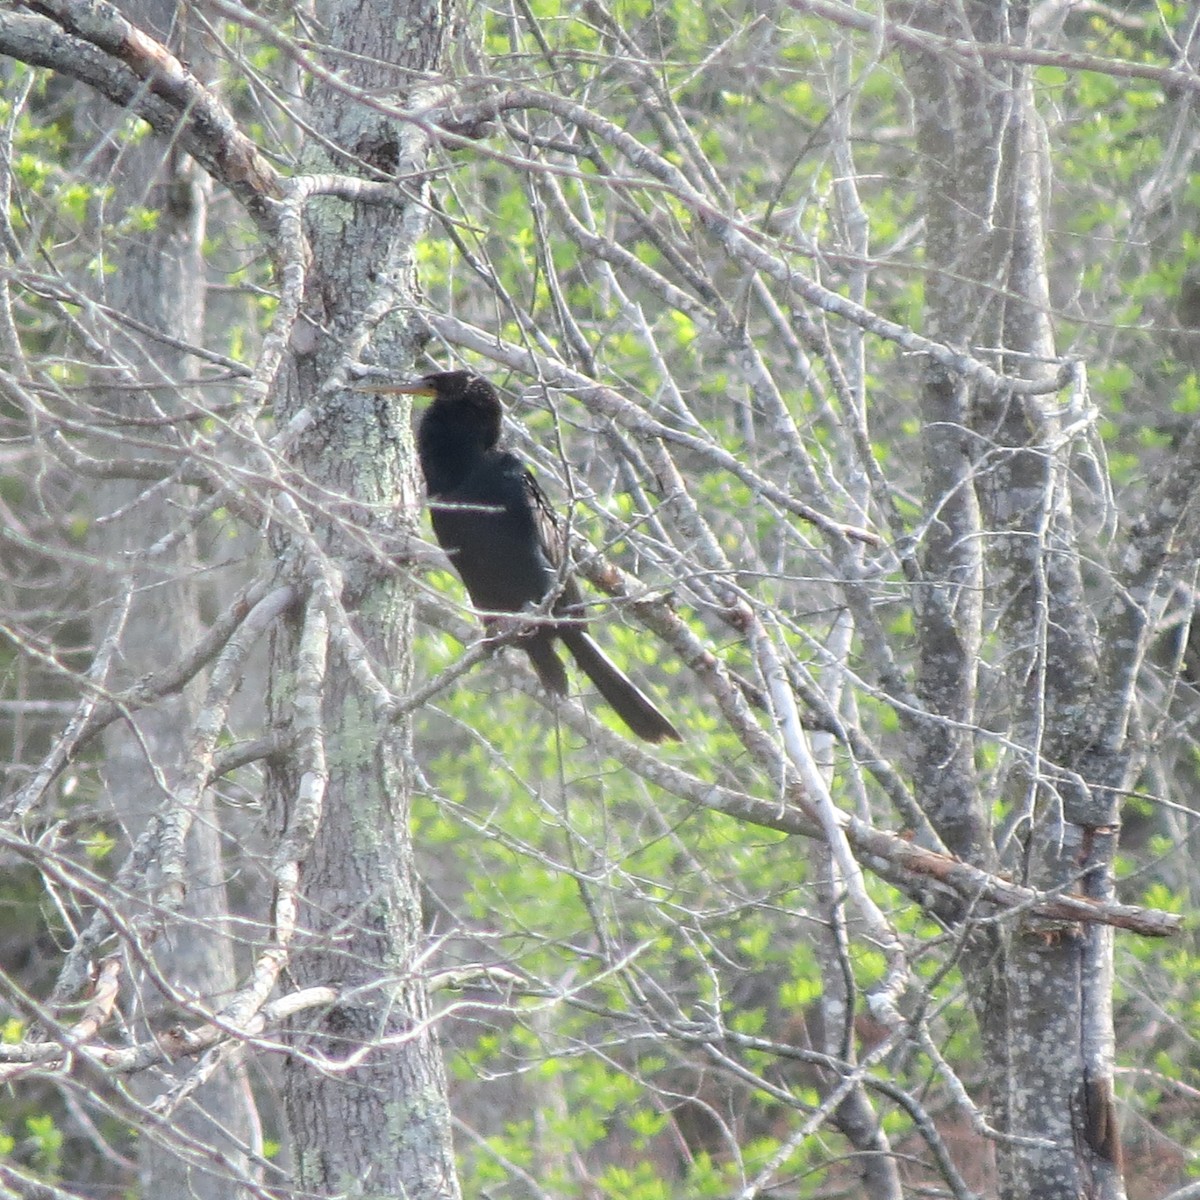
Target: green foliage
641	1183
98	845
47	1141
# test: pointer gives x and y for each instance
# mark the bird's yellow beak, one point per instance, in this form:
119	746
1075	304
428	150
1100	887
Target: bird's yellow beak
382	388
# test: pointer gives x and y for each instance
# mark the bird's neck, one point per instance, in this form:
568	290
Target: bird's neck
449	452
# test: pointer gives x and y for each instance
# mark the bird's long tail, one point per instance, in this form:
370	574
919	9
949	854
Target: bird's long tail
539	645
627	700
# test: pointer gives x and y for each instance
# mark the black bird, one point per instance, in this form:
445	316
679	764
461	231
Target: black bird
504	539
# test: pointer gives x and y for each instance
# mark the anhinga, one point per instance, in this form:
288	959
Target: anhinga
504	539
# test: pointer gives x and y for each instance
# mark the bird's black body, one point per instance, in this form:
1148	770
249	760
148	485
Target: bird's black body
491	518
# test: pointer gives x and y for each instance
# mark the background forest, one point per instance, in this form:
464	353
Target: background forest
858	347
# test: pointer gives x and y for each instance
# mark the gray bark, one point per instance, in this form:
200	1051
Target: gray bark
381	1126
158	278
995	473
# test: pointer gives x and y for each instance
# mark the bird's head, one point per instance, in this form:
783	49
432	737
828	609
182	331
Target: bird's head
451	386
460	398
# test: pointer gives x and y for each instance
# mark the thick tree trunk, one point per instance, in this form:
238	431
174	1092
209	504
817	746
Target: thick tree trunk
375	1120
996	476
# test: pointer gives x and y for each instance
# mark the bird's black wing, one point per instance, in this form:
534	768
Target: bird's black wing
552	536
549	528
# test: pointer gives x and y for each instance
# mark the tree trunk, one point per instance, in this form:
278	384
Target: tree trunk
379	1125
996	474
158	277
